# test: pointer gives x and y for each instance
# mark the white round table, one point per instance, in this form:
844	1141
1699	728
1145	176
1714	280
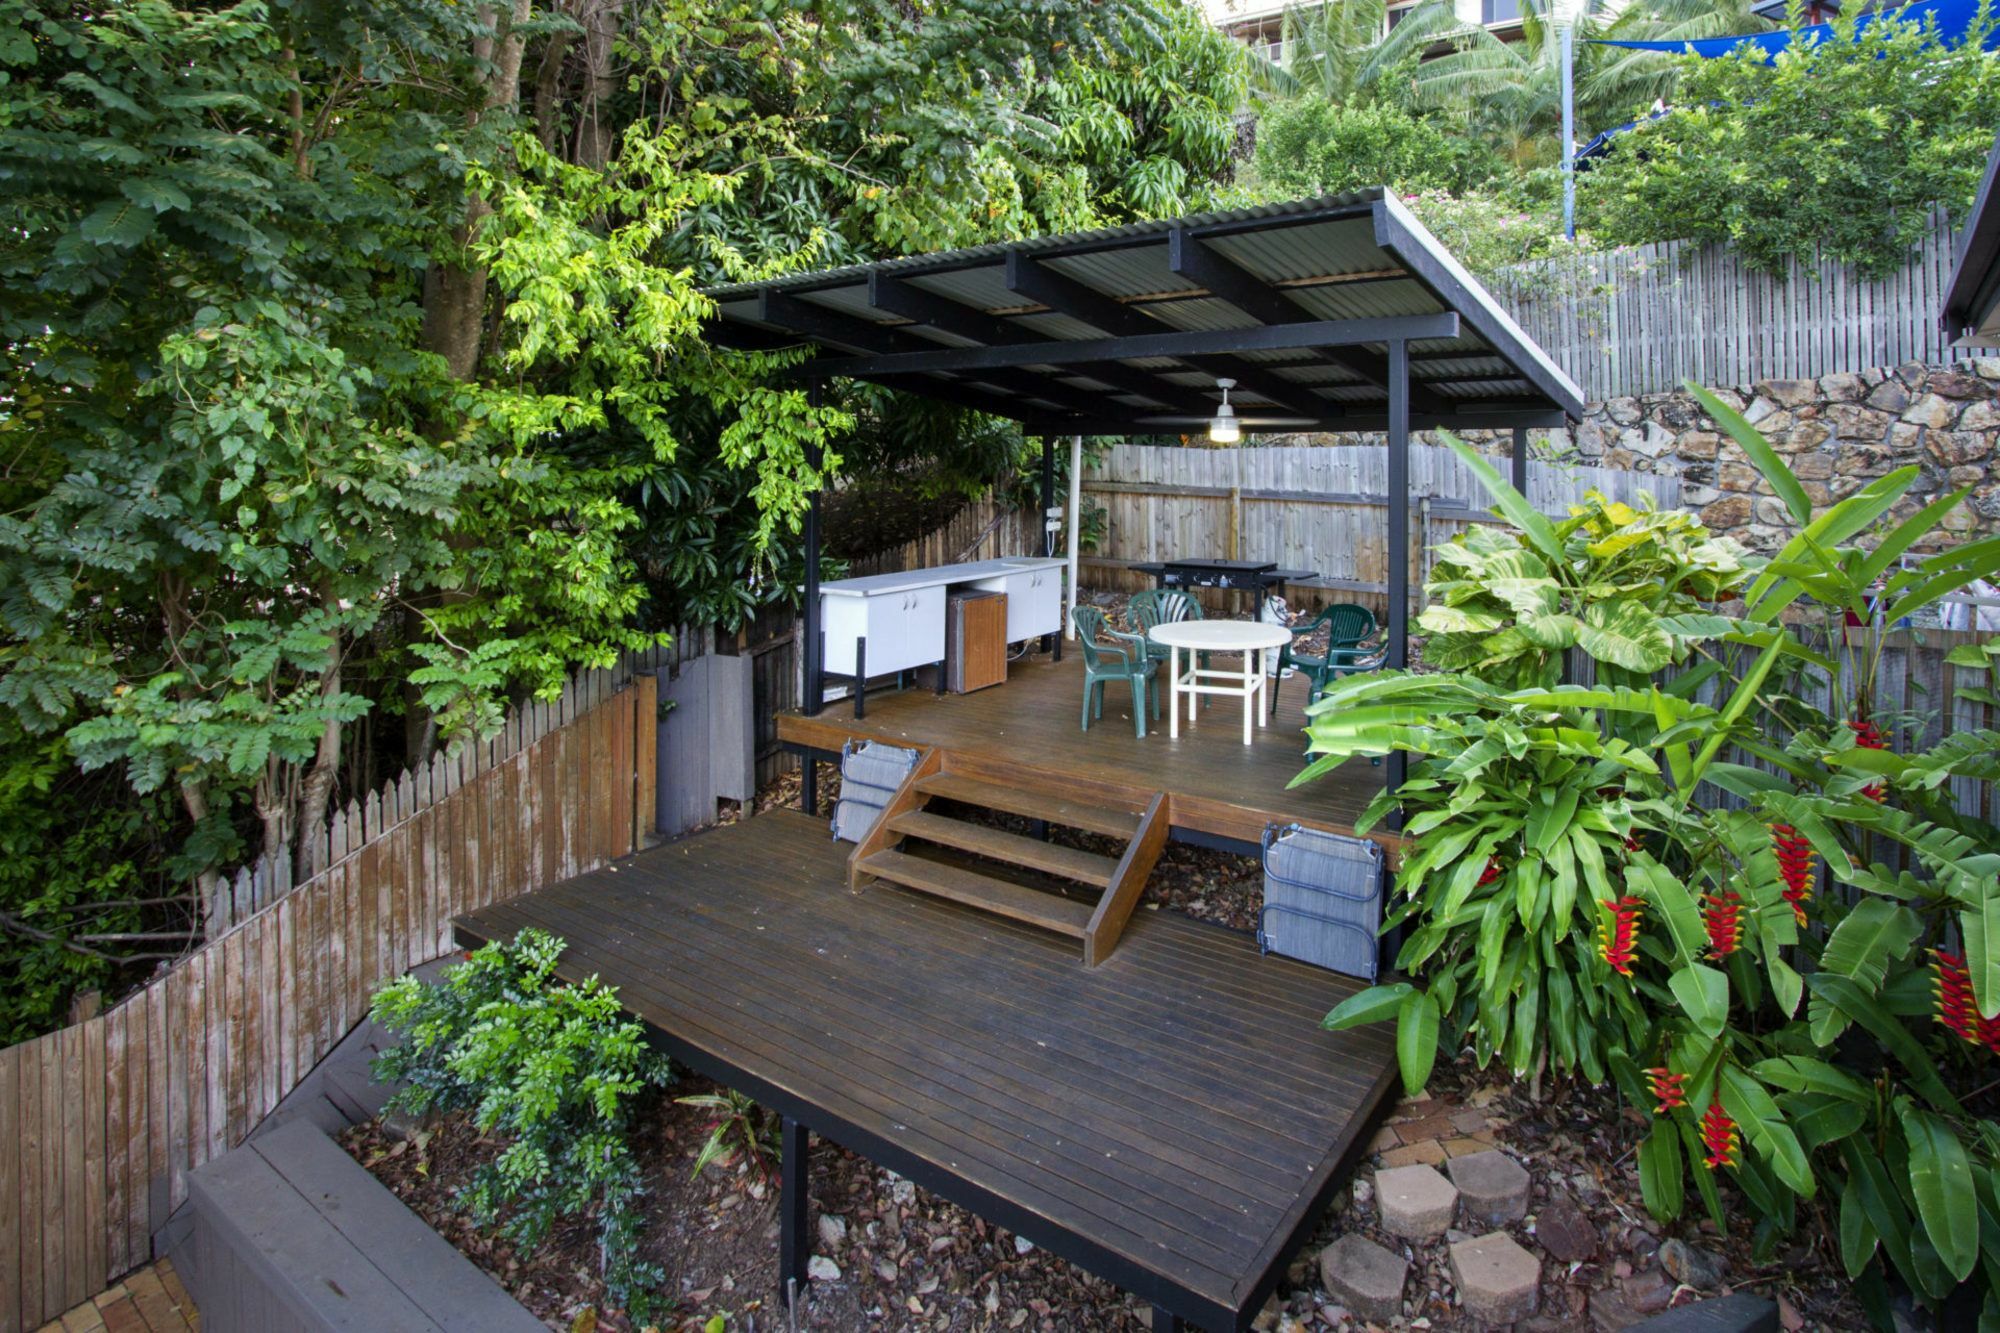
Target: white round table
1251	638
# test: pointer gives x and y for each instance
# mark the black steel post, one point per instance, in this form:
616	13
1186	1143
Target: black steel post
1520	477
809	782
812	649
1398	638
793	1245
860	675
1166	1321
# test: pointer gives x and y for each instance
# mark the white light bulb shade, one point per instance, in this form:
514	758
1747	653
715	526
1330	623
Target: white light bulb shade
1224	429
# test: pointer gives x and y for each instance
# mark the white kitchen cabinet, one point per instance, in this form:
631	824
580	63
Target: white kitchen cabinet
903	614
1034	601
904	628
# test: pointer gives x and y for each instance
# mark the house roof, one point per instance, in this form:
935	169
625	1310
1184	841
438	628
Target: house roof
1126	330
1972	303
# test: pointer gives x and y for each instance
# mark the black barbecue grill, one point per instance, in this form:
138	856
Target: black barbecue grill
1242	575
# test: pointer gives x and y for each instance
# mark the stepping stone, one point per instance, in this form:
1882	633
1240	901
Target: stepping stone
1416	1202
1492	1187
1497	1280
1367	1278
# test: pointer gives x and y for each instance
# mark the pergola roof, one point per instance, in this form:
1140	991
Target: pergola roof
1126	330
1971	315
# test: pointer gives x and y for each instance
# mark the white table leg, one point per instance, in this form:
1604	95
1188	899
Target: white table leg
1173	692
1194	680
1263	686
1249	692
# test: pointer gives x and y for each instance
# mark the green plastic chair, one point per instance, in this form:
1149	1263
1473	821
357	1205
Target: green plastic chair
1348	628
1104	662
1161	606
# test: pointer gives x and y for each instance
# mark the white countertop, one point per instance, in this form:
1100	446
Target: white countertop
875	585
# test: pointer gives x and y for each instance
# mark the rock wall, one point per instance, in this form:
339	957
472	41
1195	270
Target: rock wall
1837	433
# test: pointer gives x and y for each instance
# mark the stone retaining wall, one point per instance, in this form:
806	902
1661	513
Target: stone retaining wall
1837	433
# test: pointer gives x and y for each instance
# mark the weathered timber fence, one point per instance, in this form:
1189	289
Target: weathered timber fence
983	530
1318	507
100	1122
1643	319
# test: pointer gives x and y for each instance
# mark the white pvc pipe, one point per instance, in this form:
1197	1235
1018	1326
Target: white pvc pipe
1073	520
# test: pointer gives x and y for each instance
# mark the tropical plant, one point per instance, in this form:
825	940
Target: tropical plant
1569	901
1344	52
551	1068
741	1130
1308	146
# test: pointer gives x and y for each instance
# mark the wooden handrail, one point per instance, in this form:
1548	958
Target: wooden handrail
1128	882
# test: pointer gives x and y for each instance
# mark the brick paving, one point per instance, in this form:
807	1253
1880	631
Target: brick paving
151	1300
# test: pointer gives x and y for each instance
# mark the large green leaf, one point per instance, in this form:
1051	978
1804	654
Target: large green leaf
1762	455
1416	1040
1377	1004
1767	1130
1941	1178
1862	946
1980	926
1513	505
1674	904
1625	633
1703	994
1857	1233
1859	1006
1662	1176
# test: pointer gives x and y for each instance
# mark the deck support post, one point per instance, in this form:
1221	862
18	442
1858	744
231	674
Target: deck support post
812	649
1166	1321
1396	766
809	782
1520	459
794	1247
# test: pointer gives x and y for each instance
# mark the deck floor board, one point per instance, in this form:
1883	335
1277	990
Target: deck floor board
1168	1119
1029	725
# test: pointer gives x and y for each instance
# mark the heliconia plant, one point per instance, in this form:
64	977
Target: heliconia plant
1578	899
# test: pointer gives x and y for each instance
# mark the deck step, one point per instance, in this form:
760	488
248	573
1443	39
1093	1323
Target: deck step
982	891
1032	804
1011	848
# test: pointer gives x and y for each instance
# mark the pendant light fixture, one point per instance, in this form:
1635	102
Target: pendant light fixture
1225	429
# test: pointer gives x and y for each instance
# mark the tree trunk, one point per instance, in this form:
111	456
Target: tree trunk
595	135
318	789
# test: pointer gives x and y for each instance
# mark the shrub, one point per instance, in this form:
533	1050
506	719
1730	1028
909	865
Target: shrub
1311	146
1844	145
550	1067
1571	903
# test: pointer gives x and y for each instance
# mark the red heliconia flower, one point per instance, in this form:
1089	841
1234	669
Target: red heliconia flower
1668	1087
1617	938
1722	913
1795	865
1956	1009
1492	872
1720	1136
1868	737
1631	842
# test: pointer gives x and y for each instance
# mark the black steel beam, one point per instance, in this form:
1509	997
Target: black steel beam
1229	281
1204	342
823	325
1066	295
941	312
1526	414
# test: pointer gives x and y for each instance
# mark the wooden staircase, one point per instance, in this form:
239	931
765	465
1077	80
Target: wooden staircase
1083	894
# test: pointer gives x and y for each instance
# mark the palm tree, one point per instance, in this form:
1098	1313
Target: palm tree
1635	78
1346	52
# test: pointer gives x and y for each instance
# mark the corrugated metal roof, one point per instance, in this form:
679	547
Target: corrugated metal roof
1353	257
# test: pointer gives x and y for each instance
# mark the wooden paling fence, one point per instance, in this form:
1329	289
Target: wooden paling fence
982	530
1317	507
1641	320
100	1122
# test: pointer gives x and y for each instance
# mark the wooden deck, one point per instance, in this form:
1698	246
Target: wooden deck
1172	1119
1026	732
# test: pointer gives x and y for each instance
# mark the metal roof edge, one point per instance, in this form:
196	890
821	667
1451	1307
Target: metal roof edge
1398	231
1975	272
1354	203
